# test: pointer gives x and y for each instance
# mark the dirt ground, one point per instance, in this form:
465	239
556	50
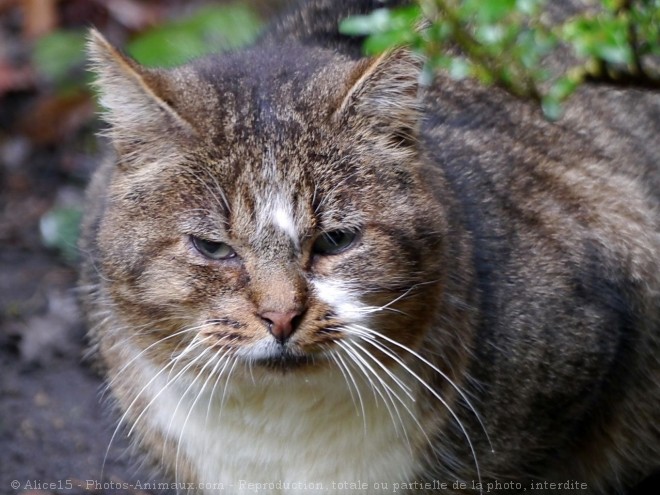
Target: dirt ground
53	425
55	430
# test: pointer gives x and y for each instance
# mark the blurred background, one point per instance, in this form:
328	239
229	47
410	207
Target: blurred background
54	431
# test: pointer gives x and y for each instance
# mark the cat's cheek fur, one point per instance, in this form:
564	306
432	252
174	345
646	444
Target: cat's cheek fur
342	297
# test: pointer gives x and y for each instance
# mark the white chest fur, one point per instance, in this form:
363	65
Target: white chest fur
285	435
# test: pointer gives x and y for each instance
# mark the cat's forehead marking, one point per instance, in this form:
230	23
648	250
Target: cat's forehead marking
274	210
282	218
275	207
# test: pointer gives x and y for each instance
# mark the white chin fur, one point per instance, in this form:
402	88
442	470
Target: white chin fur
286	432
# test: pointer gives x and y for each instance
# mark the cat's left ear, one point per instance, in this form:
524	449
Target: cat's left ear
137	101
384	92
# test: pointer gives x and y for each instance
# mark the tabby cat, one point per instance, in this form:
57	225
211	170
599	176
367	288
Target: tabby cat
307	273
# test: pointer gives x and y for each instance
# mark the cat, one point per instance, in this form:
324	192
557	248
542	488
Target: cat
305	272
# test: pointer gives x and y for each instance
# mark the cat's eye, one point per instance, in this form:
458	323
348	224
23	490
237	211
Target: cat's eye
334	242
213	250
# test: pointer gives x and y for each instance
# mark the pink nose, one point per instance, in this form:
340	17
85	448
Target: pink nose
281	324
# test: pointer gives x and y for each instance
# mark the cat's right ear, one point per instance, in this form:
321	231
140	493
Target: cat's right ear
135	99
384	95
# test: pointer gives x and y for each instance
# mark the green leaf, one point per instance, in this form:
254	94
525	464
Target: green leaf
378	43
406	17
57	54
506	42
208	30
559	92
529	7
563	88
490	34
551	108
440	30
385	28
613	5
379	21
459	68
382	21
601	37
60	228
487	12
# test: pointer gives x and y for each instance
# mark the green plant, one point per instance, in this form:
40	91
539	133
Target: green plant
507	42
59	230
210	29
58	56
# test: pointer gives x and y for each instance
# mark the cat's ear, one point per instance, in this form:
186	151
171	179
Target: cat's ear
385	91
135	99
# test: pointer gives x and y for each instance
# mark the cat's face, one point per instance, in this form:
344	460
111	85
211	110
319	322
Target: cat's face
276	218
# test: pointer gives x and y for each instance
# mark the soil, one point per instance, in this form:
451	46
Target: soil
55	430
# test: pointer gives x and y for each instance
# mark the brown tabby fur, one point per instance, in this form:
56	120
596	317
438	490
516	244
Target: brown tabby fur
518	256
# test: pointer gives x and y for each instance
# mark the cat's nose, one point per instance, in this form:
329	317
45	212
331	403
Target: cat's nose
281	324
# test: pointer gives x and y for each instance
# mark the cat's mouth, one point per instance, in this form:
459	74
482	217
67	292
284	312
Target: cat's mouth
282	358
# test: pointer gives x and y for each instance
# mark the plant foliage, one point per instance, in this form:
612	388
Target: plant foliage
509	42
210	29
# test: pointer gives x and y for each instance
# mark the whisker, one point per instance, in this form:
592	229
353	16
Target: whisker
339	359
387	306
169	381
405	388
372	333
146	349
368	371
126	412
333	356
190	346
217	379
356	365
191	407
224	391
367	337
388	391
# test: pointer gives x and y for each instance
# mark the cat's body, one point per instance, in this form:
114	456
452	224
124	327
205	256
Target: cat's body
490	311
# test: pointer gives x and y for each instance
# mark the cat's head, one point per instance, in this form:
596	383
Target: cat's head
269	206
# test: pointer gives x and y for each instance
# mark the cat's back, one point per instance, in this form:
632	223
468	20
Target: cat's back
564	220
